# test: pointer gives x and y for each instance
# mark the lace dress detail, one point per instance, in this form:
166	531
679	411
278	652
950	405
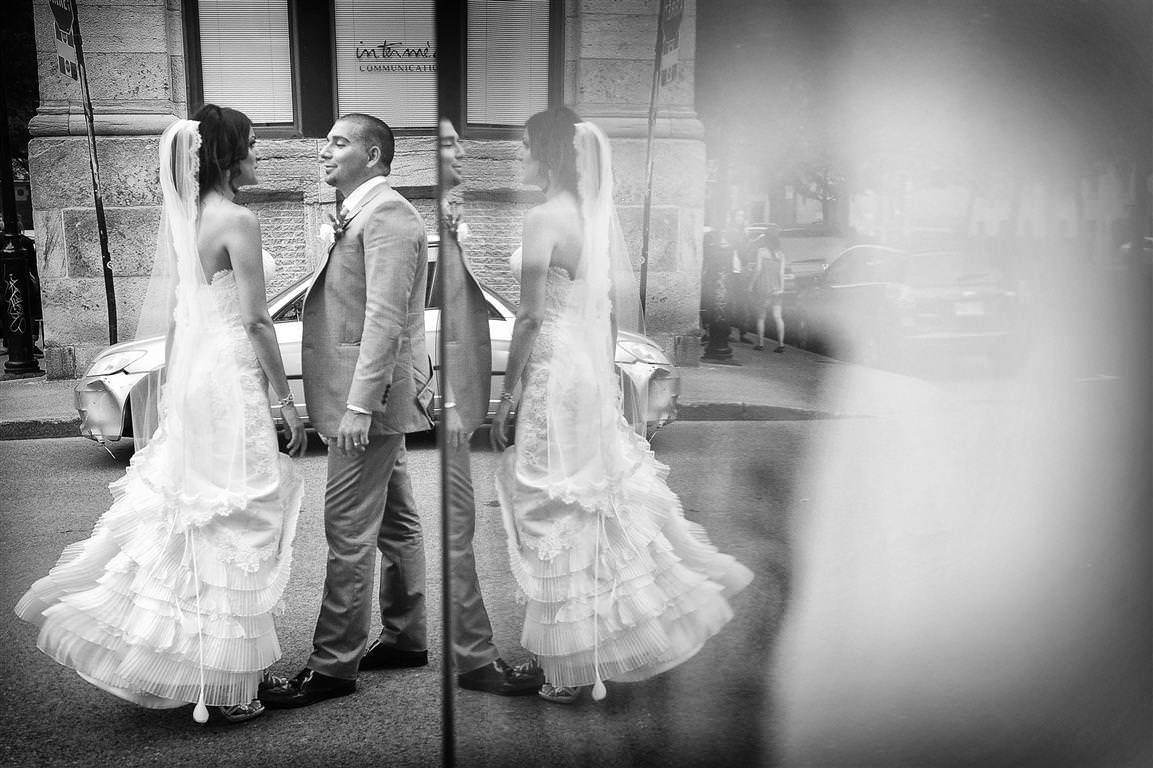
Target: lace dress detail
617	584
173	585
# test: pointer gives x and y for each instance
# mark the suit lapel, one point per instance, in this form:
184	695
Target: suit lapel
368	200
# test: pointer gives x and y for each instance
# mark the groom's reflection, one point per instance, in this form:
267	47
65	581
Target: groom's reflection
464	382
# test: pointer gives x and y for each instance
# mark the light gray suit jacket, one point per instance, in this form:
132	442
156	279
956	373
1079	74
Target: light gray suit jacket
464	323
363	339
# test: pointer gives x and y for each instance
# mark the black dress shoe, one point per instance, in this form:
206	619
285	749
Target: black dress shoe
381	656
503	680
306	688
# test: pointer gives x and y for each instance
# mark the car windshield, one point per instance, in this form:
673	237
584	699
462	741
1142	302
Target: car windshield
951	268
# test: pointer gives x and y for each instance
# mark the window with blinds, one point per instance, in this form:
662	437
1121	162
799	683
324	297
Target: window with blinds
386	60
508	61
245	57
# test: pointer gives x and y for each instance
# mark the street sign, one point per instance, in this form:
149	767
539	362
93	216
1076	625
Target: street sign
66	61
672	11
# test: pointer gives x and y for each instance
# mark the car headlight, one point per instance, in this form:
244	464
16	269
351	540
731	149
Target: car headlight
115	362
641	352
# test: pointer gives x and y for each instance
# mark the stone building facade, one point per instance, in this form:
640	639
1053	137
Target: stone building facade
138	75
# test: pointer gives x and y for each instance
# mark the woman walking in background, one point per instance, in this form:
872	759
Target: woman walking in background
769	288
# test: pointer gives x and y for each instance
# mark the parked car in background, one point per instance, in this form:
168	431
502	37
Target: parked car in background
880	305
103	396
809	249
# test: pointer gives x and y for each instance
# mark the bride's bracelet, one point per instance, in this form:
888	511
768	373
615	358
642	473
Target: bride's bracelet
506	397
287	400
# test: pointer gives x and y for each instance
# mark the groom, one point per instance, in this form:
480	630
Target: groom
367	383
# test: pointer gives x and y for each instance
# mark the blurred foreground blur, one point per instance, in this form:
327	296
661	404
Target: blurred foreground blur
974	584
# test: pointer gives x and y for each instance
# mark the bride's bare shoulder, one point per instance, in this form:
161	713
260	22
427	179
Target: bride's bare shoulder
226	216
558	214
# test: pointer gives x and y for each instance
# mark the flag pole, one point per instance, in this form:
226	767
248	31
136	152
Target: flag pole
94	165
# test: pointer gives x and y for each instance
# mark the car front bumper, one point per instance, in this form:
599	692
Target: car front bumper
102	403
662	388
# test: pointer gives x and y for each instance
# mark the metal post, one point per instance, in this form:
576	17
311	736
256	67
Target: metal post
646	215
97	194
450	46
16	256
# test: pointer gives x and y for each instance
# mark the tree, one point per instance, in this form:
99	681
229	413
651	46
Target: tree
844	95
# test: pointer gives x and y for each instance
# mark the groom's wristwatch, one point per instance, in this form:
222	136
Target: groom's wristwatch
357	409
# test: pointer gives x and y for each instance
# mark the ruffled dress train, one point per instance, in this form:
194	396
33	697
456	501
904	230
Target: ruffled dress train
618	584
173	596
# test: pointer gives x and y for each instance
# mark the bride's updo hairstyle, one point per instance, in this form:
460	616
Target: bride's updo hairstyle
550	139
224	136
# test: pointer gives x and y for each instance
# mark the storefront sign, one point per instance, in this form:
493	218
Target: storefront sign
386	61
394	56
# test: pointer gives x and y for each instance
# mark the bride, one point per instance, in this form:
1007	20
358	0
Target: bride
618	584
171	599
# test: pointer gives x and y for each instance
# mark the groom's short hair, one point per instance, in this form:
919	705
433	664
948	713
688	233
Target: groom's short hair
375	133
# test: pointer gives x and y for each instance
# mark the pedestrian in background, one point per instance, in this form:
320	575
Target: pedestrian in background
740	311
768	291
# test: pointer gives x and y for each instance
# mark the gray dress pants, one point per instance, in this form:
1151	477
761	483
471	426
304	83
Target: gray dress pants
369	506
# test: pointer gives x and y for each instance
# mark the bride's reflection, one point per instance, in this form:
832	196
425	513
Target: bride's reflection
610	580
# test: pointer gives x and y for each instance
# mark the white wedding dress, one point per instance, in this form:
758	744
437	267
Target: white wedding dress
172	593
171	599
618	584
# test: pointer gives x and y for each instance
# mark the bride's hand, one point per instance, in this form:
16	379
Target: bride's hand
297	440
498	434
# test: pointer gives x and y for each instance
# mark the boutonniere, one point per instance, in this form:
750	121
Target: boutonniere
331	230
456	224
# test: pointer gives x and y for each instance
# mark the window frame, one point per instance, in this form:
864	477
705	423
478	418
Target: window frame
312	34
453	57
458	103
308	96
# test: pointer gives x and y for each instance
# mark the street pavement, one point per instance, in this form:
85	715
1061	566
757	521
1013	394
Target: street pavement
950	570
713	706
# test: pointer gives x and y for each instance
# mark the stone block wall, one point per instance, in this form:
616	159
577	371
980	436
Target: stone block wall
137	78
609	62
291	201
132	53
494	233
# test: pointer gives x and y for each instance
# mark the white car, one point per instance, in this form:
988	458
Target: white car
103	395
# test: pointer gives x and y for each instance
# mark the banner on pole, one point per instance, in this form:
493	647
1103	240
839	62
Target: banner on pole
66	61
672	11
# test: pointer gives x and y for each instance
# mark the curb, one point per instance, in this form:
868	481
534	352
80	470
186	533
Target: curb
35	429
748	412
39	428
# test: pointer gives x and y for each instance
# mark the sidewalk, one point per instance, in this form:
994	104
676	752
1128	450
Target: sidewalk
765	386
793	385
37	407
